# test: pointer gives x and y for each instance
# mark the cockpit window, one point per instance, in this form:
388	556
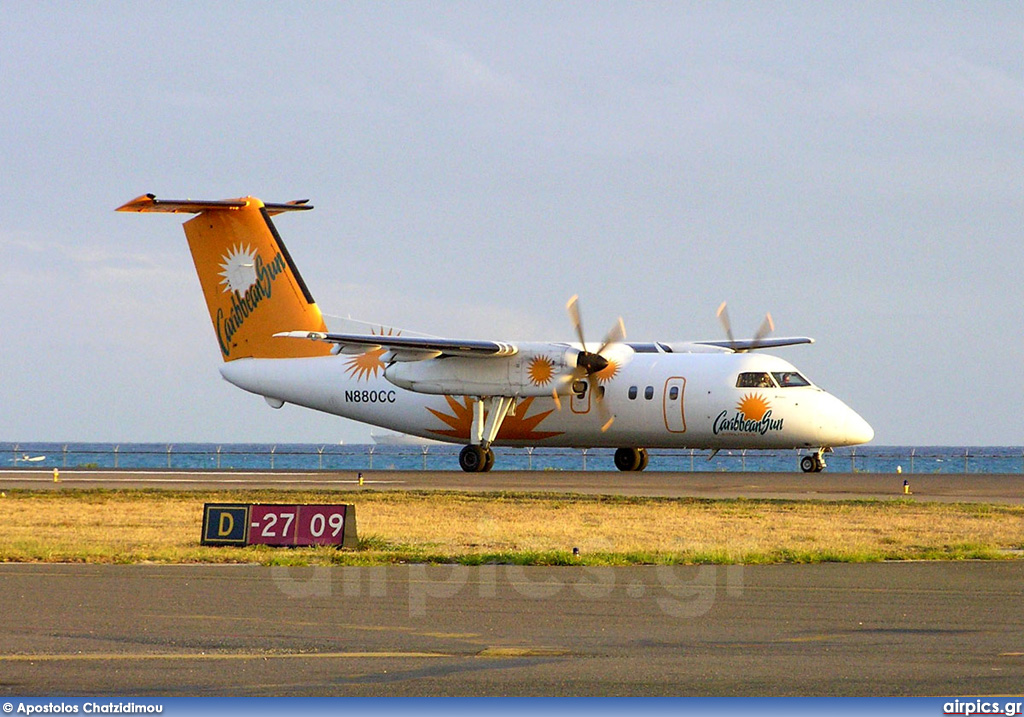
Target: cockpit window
754	379
790	378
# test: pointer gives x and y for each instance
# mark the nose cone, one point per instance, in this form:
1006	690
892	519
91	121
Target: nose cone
857	429
840	425
837	424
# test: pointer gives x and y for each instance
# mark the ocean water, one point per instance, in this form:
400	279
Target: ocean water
333	457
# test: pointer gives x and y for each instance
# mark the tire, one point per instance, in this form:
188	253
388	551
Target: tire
472	459
644	459
488	460
809	465
627	459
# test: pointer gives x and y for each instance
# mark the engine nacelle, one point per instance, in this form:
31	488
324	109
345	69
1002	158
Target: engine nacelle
527	373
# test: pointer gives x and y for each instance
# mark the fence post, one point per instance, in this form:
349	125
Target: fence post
967	452
585	458
65	456
320	456
529	452
272	452
425	449
116	450
169	446
371	456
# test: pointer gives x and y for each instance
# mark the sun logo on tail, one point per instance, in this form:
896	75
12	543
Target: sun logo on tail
753	406
239	269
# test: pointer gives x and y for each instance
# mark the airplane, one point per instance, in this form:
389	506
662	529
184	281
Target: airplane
631	396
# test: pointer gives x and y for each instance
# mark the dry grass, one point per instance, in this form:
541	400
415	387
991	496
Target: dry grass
134	526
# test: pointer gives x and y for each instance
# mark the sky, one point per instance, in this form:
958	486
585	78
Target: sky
856	169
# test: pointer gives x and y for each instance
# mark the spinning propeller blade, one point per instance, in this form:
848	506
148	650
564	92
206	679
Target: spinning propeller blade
591	363
767	326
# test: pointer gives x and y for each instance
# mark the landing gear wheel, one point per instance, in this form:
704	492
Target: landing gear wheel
489	460
631	459
812	464
472	459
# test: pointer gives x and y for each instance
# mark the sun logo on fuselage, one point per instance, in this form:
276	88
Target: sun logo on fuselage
239	269
369	364
540	370
753	406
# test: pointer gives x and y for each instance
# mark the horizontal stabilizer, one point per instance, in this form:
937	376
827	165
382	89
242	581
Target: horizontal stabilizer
447	347
149	203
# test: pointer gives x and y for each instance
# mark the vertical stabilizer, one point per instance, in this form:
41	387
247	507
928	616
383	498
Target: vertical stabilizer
252	287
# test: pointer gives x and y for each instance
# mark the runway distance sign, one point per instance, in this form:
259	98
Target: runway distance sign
280	525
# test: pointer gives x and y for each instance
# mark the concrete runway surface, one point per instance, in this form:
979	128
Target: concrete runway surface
834	629
982	487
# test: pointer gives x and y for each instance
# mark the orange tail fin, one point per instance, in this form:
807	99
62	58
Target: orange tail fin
252	287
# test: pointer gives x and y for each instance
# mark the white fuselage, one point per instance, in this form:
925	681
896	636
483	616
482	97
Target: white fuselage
660	399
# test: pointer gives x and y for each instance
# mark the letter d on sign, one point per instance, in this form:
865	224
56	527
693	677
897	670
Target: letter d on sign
225	524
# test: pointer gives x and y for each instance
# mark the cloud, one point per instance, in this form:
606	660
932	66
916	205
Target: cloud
929	87
461	74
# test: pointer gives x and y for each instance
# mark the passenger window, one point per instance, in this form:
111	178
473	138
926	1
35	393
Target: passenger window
632	393
790	378
754	379
673	393
649	393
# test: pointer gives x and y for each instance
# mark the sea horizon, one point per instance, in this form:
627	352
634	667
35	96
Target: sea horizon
172	455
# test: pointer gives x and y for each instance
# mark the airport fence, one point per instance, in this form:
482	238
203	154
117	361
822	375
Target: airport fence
332	457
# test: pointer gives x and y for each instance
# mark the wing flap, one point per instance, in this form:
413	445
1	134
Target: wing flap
410	346
755	344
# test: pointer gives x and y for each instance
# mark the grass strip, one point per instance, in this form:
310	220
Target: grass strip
135	526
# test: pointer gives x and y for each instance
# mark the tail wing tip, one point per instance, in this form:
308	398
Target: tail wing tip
149	203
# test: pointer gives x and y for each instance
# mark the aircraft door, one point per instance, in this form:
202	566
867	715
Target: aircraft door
672	405
580	402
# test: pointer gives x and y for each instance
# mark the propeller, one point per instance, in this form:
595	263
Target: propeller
766	327
591	363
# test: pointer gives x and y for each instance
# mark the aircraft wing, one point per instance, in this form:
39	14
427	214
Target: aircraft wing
408	347
740	345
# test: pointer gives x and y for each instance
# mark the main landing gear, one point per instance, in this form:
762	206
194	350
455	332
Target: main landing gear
478	457
814	463
631	459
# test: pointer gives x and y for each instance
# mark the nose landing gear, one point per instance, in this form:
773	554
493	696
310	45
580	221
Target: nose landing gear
814	463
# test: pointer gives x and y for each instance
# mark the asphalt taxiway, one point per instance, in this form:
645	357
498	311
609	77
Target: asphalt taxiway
835	629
